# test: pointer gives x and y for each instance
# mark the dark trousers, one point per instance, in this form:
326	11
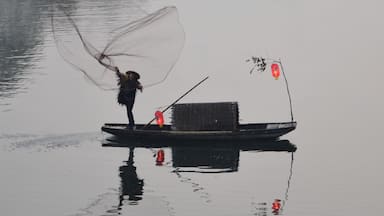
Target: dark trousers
131	120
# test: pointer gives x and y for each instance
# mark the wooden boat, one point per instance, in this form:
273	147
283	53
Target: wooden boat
217	122
243	132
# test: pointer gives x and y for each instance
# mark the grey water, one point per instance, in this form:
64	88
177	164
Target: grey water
53	157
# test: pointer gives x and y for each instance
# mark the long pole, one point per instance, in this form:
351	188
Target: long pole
286	84
177	100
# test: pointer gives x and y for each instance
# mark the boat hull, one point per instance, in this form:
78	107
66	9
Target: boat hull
242	133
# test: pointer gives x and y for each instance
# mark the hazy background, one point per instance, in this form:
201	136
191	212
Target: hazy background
331	52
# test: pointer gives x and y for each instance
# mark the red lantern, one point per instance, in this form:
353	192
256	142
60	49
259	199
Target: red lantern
159	118
160	157
275	70
276	205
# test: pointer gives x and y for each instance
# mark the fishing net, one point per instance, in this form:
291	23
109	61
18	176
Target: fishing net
150	45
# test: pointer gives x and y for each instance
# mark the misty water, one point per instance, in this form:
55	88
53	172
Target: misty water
53	157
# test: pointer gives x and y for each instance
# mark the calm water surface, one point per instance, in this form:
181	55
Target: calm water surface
55	161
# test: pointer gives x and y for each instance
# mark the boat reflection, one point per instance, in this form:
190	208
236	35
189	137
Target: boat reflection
205	160
198	158
258	145
276	207
205	157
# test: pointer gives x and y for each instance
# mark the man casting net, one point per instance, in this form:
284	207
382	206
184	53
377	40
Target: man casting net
150	45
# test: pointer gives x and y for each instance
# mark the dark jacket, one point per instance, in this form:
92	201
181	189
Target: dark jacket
127	91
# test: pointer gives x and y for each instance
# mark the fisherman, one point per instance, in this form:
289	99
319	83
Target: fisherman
128	84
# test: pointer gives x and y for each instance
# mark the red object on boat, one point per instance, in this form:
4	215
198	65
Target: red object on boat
159	118
275	70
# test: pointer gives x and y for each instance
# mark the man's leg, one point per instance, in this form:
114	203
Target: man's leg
131	120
